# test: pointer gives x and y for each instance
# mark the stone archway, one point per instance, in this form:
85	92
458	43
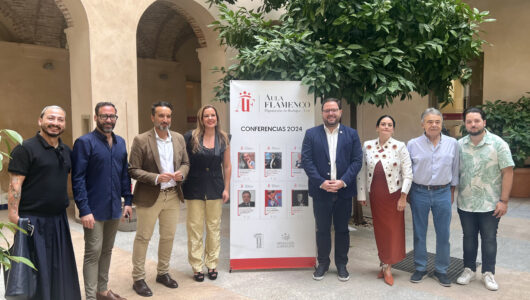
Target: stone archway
177	49
35	65
168	64
54	35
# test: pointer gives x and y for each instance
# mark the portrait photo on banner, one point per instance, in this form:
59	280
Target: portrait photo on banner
273	198
247	160
247	198
296	160
299	198
273	160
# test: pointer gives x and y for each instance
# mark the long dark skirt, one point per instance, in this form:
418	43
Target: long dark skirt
54	258
389	223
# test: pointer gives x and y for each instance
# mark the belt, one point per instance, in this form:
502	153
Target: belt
169	189
432	187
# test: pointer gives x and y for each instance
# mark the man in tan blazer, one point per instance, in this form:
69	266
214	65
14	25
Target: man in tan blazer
159	163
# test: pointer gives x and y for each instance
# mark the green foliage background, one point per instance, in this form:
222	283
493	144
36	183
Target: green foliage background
364	51
510	121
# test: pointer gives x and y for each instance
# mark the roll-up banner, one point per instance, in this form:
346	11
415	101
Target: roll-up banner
271	214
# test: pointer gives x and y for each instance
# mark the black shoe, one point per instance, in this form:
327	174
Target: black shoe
212	274
442	279
141	288
199	277
320	272
167	281
343	273
418	276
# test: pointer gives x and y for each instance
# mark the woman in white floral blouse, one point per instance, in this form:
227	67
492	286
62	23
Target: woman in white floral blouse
386	175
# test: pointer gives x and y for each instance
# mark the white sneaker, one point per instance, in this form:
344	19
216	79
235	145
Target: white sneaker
489	281
467	276
351	228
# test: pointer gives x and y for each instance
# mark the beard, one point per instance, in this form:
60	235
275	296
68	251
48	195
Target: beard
162	127
331	124
51	134
104	128
475	133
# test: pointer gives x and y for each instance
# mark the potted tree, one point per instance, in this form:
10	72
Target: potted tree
511	121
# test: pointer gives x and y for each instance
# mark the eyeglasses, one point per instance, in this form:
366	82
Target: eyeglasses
104	117
333	110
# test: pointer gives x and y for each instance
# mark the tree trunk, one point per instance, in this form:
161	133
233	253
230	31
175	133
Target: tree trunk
358	217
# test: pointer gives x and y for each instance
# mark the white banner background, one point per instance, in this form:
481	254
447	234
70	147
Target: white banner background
268	120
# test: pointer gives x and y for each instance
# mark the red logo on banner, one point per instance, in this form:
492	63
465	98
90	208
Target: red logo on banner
246	102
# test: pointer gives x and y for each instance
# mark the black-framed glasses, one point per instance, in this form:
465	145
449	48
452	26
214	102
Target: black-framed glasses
105	117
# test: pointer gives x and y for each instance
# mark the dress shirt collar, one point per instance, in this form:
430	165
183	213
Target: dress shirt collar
45	144
426	138
100	135
167	140
486	139
334	131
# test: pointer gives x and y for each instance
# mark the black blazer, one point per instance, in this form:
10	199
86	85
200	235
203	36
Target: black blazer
205	178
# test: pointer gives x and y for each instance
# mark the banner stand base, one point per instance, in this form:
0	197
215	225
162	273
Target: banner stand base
272	263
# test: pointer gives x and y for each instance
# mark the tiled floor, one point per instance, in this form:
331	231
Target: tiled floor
512	275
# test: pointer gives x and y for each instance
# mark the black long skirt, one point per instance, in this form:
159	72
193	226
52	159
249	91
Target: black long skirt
54	258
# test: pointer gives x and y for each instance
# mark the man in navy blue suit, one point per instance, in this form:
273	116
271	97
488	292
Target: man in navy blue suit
331	158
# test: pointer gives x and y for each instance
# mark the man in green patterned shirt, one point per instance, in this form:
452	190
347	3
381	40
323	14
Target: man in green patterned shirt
486	175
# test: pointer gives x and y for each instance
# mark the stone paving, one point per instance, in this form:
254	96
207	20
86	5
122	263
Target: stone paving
512	274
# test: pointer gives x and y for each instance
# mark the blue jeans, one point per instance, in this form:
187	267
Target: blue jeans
439	202
486	224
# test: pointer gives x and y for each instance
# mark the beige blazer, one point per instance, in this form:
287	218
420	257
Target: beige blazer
144	166
396	162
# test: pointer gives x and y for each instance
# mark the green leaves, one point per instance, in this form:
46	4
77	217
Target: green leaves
12	137
5	257
509	120
365	51
387	60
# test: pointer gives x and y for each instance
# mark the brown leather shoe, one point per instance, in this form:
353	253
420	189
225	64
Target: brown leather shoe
167	281
141	288
110	296
100	296
115	296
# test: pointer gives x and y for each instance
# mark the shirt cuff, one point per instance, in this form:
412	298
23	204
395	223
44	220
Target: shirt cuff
127	201
83	211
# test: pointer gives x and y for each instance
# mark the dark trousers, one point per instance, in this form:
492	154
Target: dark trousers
55	261
486	224
338	210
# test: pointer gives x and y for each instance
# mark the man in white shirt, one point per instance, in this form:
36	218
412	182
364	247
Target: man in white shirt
331	158
159	162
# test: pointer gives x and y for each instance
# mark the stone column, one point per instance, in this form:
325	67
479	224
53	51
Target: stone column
102	44
209	59
113	63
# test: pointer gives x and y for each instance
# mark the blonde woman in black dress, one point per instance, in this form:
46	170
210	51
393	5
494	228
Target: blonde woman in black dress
206	188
